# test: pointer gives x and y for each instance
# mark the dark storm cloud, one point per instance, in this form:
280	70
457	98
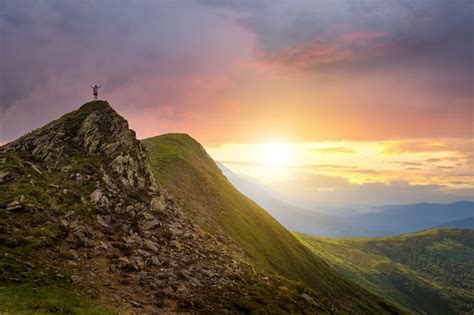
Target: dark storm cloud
435	36
61	40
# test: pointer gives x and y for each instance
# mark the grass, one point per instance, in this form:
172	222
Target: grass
428	271
188	173
31	299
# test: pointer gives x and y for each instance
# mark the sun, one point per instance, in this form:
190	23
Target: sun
276	154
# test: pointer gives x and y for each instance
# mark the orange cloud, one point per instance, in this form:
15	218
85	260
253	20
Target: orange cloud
417	146
462	146
334	150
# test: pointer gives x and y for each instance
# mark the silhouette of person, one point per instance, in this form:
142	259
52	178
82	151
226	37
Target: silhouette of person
95	91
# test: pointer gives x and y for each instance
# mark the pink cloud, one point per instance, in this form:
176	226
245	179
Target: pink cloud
315	53
362	36
312	54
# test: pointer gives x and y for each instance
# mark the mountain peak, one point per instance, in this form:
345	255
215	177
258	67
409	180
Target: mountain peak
95	129
92	127
96	104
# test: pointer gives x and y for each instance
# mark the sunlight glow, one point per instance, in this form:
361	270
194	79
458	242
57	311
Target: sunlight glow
359	162
276	154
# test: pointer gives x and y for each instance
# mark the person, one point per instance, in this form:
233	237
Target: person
95	91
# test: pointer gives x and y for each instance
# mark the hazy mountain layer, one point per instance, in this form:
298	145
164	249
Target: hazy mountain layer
409	218
462	224
329	221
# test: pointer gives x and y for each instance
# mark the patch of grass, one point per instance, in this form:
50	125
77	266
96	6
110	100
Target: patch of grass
31	299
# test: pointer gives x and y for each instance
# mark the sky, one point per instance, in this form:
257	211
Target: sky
364	101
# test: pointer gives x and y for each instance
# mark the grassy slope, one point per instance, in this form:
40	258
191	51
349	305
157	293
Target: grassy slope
187	172
431	271
32	299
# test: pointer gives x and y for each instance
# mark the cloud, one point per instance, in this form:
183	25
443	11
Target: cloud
311	182
460	149
334	189
432	160
426	35
334	150
417	146
322	54
408	163
241	163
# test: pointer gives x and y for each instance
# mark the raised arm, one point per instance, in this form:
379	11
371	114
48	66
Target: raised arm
99	86
91	86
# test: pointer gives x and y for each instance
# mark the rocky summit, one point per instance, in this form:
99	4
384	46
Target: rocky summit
81	211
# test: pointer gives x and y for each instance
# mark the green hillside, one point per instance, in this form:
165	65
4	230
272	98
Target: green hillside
188	173
430	271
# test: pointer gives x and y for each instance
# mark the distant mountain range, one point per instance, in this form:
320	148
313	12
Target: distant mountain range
409	218
344	222
462	224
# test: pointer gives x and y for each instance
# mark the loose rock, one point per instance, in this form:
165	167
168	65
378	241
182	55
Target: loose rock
151	246
14	206
5	177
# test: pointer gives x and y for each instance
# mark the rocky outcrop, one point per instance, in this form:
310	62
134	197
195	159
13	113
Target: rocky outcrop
94	130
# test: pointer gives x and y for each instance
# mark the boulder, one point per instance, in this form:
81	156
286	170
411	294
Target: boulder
309	300
5	177
151	246
127	265
34	167
102	221
155	261
158	204
15	205
97	197
148	225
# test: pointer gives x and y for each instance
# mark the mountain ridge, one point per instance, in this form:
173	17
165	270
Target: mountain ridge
467	223
188	172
